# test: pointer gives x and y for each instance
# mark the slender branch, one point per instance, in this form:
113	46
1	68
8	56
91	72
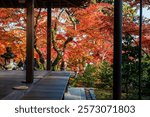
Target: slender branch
35	26
54	33
66	42
60	13
71	19
37	18
54	41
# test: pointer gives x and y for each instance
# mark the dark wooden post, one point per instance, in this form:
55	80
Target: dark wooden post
140	46
49	36
117	50
30	42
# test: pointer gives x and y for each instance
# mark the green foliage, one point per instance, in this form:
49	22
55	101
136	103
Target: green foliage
87	79
89	76
146	74
129	65
129	12
95	76
130	72
102	94
105	74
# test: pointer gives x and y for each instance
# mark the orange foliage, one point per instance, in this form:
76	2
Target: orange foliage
92	34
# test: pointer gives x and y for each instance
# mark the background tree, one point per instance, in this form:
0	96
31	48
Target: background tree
73	40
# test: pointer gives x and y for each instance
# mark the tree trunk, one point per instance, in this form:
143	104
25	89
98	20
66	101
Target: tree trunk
40	56
56	61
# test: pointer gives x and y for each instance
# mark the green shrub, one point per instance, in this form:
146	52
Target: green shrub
89	76
105	74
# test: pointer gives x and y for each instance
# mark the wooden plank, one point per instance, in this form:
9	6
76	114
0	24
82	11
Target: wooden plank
49	37
49	88
19	73
30	42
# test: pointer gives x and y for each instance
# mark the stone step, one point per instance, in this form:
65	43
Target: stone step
75	94
79	93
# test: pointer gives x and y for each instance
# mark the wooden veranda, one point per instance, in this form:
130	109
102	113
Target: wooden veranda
47	85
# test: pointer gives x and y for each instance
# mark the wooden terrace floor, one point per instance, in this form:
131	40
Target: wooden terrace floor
47	85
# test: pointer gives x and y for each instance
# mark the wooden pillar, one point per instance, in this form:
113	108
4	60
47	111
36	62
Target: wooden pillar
140	47
117	75
49	36
30	42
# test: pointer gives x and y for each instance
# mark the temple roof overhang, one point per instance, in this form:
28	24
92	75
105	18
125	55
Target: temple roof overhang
44	3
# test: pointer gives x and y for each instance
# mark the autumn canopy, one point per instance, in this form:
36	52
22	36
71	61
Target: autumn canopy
80	36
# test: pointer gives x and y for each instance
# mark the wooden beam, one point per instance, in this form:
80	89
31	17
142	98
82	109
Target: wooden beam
117	50
49	19
30	42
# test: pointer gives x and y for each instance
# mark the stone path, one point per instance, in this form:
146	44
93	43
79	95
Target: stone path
79	93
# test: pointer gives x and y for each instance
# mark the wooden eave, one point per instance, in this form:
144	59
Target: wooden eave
44	3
